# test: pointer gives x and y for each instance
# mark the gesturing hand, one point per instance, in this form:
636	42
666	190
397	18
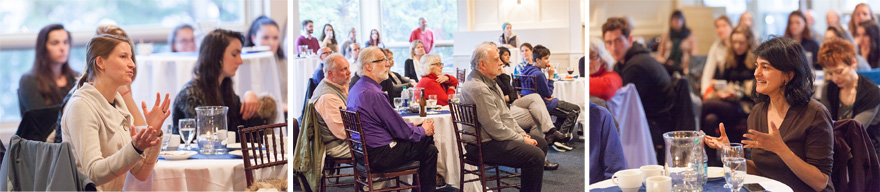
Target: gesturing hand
716	142
159	113
146	138
771	141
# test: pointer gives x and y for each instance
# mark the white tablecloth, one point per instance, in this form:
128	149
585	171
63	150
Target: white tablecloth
447	156
201	175
299	70
168	72
767	183
572	91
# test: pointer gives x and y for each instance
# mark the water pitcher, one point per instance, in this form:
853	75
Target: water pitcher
684	160
212	129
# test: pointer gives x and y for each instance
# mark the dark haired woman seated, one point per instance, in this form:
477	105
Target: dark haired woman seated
790	134
219	58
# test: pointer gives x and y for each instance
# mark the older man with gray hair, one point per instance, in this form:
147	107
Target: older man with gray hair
504	142
393	142
323	122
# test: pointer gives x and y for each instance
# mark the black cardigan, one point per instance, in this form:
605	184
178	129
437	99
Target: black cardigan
867	98
410	70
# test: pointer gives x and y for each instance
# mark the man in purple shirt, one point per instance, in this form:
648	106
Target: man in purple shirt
306	38
392	142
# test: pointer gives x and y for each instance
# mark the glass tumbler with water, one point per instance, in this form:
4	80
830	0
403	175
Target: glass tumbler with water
212	129
684	160
397	102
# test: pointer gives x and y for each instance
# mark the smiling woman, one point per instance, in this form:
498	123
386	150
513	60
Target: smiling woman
789	133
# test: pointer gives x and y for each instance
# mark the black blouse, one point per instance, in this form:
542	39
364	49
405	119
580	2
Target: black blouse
192	96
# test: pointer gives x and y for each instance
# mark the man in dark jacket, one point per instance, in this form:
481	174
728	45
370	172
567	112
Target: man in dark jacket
635	65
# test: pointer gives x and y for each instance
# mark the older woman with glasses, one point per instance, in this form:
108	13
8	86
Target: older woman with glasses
434	81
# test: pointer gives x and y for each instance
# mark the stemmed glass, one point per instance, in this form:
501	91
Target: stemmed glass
187	129
398	101
732	151
735	172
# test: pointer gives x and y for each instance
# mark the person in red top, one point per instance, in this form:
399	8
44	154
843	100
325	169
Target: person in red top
603	82
424	34
434	81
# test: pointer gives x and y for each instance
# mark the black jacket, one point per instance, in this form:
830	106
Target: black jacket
410	70
649	77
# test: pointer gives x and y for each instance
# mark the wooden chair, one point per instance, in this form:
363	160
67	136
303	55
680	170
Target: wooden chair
254	139
332	168
466	115
524	82
363	174
460	75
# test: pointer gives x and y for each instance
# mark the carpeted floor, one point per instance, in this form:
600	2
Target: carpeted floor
569	177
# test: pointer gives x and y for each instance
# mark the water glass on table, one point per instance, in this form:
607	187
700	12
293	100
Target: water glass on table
731	151
166	136
735	173
187	128
432	101
398	101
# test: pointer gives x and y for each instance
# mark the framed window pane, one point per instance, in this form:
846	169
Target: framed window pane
84	15
342	15
400	17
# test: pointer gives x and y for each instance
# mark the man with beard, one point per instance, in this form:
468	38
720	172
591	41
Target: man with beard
393	142
306	38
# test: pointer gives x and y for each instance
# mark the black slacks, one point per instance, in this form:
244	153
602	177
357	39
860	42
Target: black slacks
424	151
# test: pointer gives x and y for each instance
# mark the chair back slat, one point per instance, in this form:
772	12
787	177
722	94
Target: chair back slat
524	82
460	74
353	129
262	146
465	114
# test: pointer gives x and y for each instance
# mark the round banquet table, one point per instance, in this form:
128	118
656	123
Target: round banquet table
767	183
447	156
169	72
300	70
572	91
201	175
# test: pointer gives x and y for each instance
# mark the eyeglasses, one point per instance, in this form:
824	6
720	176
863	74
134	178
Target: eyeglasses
437	64
380	60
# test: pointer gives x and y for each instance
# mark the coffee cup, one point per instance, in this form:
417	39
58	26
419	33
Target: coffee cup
658	184
652	170
628	179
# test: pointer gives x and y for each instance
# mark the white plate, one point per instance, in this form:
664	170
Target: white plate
177	155
233	146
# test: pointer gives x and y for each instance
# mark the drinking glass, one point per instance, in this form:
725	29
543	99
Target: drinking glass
570	70
187	129
397	102
735	172
432	101
166	136
730	151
